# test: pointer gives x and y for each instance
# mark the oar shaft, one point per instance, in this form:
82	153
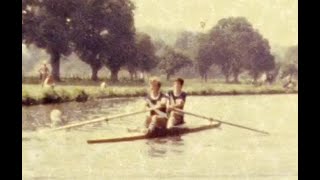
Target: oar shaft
100	119
244	127
224	122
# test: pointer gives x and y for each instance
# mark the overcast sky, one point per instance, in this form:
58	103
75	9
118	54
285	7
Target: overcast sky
277	20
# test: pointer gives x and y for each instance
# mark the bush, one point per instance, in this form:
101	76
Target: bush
27	99
81	96
64	95
50	96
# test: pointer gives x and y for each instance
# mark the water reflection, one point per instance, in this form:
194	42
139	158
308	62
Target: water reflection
159	147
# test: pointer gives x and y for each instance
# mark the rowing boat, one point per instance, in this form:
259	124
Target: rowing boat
168	132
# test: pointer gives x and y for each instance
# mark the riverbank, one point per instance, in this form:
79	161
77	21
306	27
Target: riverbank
33	94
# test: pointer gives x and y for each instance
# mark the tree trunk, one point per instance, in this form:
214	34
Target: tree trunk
255	78
114	75
236	77
131	76
55	65
168	77
94	73
132	73
205	77
135	76
227	78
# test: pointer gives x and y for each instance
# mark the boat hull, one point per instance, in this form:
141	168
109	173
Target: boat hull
170	132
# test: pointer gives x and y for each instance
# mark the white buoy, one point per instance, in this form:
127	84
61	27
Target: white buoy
55	117
103	85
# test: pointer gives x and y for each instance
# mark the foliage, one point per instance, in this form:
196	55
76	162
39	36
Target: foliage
235	46
172	61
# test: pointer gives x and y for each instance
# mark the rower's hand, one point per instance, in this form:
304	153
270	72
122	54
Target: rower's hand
158	106
170	107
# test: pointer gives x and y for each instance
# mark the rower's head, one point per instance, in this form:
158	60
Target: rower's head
155	84
178	83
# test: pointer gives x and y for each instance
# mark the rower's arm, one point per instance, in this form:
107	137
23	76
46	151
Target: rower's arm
160	104
163	103
179	104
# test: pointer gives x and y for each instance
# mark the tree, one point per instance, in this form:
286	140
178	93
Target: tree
101	32
121	39
44	24
235	46
188	43
145	59
89	34
172	61
104	34
290	66
260	59
204	62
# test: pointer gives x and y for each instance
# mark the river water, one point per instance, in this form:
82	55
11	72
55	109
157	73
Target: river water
223	153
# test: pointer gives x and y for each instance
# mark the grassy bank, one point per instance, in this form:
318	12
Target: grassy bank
33	94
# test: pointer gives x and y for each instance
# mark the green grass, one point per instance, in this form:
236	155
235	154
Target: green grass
33	94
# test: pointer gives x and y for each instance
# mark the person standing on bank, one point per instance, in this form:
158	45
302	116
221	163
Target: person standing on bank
44	72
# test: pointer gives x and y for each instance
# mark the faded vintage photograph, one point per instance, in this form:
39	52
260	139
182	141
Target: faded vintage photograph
159	89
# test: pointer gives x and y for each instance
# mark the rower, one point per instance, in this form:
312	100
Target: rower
177	99
156	121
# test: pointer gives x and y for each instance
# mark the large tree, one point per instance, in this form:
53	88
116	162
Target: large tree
101	32
235	46
89	34
121	39
145	59
171	61
45	24
104	34
259	58
204	61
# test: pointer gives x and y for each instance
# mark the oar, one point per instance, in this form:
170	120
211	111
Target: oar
100	119
223	122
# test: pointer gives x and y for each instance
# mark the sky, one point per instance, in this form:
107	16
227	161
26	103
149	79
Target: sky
276	20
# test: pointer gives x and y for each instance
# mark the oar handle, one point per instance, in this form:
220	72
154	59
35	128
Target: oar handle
153	107
223	122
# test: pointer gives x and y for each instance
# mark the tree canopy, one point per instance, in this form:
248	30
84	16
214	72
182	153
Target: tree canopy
99	31
44	24
235	46
172	61
145	59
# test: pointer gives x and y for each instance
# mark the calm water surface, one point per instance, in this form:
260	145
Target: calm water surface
224	153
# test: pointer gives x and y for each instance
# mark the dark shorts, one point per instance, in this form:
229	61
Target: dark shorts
161	122
177	118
